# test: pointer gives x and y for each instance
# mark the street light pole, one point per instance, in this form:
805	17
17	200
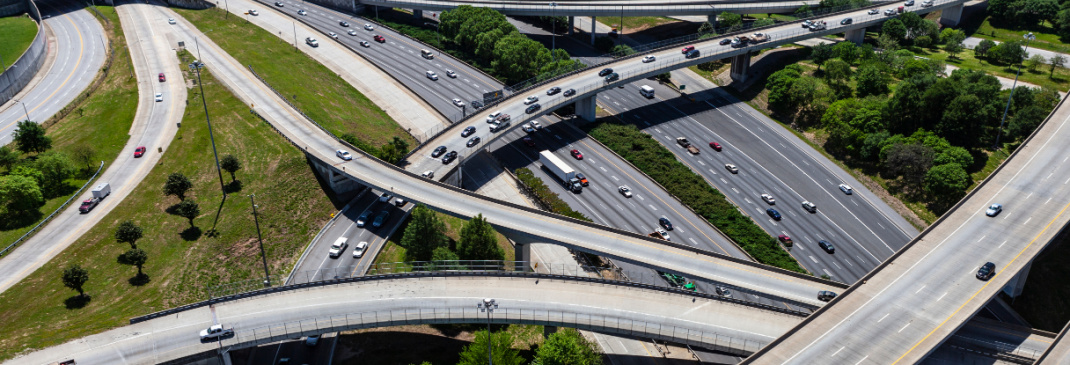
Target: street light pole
553	28
24	110
295	34
260	239
488	305
197	66
1029	38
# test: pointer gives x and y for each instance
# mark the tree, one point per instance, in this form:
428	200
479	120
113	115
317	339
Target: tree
821	53
136	257
895	29
1009	52
128	232
961	122
923	41
9	157
1056	61
478	241
763	22
705	28
56	167
955	155
622	49
425	233
1025	121
847	51
30	137
982	48
947	182
567	347
188	209
871	80
911	161
728	20
913	24
1034	61
837	70
83	154
519	58
1062	21
230	164
394	151
953	39
888	45
177	184
19	194
75	277
502	350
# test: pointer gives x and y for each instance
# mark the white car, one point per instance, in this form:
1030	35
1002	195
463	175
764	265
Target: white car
368	27
536	124
731	168
428	174
493	116
432	75
253	12
624	190
352	32
338	246
994	210
332	35
768	199
873	11
531	100
159	97
649	59
312	42
664	234
458	103
846	189
302	12
451	74
343	154
170	20
358	250
810	207
528	128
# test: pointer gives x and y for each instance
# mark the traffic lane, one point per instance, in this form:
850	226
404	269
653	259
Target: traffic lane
340	228
345	264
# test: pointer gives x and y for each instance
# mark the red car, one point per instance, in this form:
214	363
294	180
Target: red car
785	240
162	79
138	152
687	49
715	146
576	154
528	141
379	38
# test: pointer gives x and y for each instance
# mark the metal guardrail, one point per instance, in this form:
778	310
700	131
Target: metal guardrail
49	218
566	273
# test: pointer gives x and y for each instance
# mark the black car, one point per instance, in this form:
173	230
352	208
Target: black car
473	141
533	108
986	271
605	71
476	104
846	21
553	90
826	295
692	53
438	151
773	213
825	245
725	41
278	3
612	77
664	222
343	23
449	157
468	131
570	92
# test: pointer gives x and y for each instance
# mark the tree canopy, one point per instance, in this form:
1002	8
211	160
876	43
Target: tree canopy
424	235
479	241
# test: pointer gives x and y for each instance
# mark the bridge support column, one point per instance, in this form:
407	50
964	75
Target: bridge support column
585	107
1015	286
740	66
712	19
593	22
856	36
571	25
417	13
339	183
950	16
522	252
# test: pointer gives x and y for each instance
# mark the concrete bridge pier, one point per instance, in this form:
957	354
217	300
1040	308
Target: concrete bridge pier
856	36
740	66
571	25
338	182
593	23
585	107
950	16
417	13
1015	286
712	19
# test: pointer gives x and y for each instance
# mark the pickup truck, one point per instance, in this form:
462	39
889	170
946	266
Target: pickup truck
216	331
759	37
687	144
657	235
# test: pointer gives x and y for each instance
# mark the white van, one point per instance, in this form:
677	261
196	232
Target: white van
427	54
646	91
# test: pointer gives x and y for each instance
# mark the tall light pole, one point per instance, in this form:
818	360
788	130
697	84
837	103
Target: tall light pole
196	65
553	30
263	257
1029	37
24	110
620	35
488	305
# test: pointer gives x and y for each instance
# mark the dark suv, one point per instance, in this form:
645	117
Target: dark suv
533	108
664	222
986	271
612	77
605	71
449	157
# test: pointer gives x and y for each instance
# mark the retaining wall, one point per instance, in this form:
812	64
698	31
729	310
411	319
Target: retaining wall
19	73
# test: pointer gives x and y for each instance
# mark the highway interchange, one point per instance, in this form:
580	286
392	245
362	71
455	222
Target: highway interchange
744	186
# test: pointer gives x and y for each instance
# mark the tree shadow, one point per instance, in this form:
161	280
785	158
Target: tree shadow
139	279
233	187
172	210
77	301
980	159
19	220
191	234
60	190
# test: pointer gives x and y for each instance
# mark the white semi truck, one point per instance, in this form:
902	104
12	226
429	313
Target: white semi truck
563	171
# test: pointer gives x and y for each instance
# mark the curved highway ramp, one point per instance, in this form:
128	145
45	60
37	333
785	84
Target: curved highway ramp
389	300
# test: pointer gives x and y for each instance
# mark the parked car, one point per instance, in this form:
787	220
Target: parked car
343	154
986	271
724	292
993	210
430	174
385	197
140	151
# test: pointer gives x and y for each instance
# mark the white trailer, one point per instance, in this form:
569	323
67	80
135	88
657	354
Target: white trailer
102	191
556	166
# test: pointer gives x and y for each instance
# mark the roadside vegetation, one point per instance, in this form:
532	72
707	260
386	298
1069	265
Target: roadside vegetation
656	161
427	235
310	86
549	200
47	164
19	31
182	253
1009	20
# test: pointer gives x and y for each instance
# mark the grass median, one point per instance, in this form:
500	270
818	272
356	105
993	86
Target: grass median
182	261
312	87
18	32
101	122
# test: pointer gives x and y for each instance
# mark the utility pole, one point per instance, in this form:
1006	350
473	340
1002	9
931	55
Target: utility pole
553	34
260	239
197	66
1029	38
